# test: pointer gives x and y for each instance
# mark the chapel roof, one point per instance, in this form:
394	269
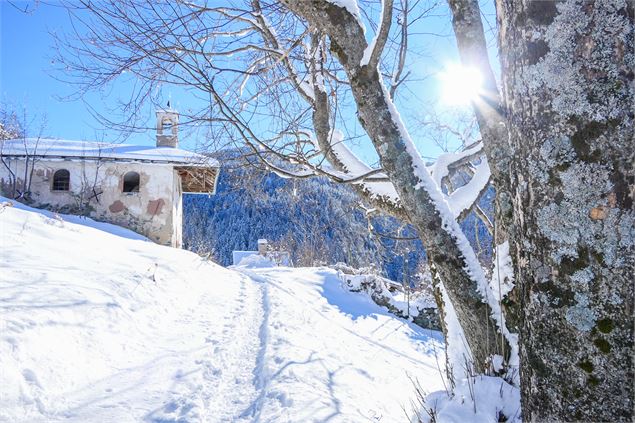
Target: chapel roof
92	150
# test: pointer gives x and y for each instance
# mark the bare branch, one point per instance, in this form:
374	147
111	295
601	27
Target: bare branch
373	51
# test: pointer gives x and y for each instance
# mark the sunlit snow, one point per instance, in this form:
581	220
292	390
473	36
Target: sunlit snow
100	326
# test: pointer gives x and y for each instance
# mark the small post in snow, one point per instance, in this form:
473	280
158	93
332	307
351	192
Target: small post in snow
263	247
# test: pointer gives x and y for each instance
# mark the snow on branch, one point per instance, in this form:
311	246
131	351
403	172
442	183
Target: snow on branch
464	197
351	7
351	162
270	35
356	166
441	168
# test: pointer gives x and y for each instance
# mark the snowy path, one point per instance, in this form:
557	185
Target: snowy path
123	330
335	356
224	385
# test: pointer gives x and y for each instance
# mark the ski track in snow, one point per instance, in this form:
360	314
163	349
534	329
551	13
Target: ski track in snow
260	376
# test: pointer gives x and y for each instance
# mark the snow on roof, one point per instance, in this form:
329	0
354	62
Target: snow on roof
91	150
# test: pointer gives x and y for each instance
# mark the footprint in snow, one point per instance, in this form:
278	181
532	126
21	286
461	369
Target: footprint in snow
212	373
178	411
30	377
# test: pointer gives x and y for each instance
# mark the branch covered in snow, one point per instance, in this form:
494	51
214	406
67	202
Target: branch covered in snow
464	197
447	161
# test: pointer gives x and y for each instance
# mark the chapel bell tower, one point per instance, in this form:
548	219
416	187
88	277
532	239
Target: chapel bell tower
167	128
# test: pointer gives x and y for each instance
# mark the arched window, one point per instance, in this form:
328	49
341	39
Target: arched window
61	180
131	182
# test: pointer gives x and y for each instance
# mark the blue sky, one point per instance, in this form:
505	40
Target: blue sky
27	75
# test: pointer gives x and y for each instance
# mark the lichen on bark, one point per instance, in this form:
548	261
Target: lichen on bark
570	103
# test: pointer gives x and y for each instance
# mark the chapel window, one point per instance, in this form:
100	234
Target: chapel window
131	182
61	180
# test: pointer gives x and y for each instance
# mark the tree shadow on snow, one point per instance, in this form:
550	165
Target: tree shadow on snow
358	305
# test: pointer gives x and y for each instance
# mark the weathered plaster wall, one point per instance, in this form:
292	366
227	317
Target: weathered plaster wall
177	211
154	211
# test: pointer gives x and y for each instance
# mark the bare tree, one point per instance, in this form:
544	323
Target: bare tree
290	64
283	79
90	188
25	132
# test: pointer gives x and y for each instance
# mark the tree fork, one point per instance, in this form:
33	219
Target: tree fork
348	44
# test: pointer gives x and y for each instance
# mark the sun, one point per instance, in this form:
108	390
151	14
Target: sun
460	85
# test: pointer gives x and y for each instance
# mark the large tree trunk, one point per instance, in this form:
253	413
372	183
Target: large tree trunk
445	247
568	84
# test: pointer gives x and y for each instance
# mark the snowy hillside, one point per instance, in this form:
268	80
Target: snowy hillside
100	325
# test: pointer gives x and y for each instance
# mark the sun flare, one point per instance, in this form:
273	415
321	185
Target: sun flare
460	85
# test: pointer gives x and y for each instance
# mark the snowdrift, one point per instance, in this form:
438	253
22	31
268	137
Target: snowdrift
98	324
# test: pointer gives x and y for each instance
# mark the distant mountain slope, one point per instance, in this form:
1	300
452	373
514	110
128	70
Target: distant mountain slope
317	220
97	327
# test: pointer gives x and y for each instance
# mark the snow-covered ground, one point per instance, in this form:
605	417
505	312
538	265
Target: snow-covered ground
99	325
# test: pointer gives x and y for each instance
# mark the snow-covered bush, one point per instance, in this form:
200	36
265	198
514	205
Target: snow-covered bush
416	304
255	261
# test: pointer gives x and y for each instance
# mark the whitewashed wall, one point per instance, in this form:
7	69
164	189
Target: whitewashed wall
155	211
